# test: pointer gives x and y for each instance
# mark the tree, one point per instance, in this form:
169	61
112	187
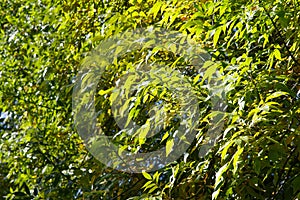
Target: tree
254	50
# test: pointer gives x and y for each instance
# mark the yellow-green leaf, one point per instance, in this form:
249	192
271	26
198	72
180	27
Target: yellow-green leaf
146	175
277	54
216	36
169	146
209	72
103	92
275	95
219	180
155	9
166	135
225	149
236	158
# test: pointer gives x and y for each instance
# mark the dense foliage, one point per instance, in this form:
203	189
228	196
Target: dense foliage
255	45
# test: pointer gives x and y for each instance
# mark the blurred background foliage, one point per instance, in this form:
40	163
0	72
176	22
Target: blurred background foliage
256	44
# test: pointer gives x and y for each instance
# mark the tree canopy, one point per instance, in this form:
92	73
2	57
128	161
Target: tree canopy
252	49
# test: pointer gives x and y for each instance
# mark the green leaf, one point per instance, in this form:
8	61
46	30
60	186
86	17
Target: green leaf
225	148
143	133
296	183
155	9
219	179
275	95
146	175
152	189
103	92
217	35
236	157
173	48
169	146
209	71
166	135
277	54
148	184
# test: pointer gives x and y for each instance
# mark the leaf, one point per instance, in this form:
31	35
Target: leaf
266	39
155	9
156	176
210	8
173	48
143	133
166	135
219	180
225	148
276	94
103	92
210	71
196	79
118	50
169	146
216	36
257	166
223	9
277	54
173	18
236	158
147	184
152	189
296	183
146	175
208	64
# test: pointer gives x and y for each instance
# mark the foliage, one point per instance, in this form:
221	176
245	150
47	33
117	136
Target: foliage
256	47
